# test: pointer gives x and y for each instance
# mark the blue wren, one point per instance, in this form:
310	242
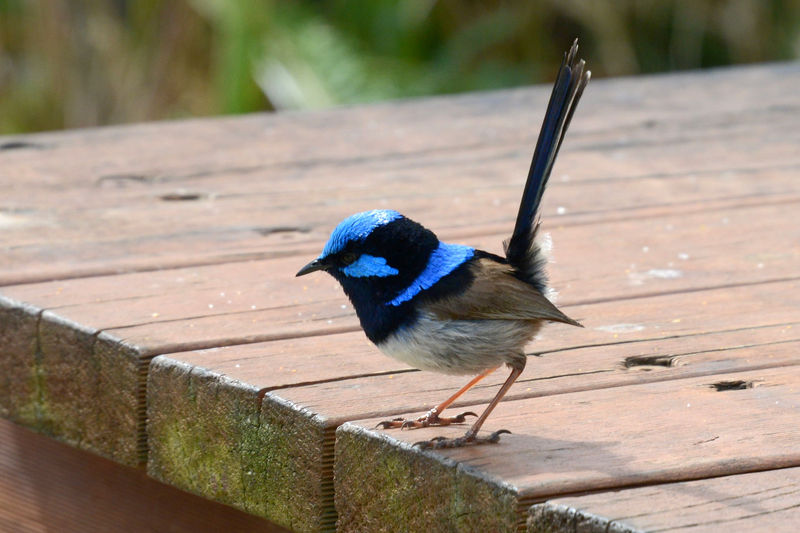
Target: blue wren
452	308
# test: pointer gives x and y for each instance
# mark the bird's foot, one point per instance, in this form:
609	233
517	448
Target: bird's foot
438	443
431	418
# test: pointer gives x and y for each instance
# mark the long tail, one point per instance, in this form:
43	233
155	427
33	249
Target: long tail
521	250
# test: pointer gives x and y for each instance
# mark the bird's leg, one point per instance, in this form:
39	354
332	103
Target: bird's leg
432	418
471	437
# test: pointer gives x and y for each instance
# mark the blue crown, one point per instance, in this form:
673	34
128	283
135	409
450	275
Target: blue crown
357	227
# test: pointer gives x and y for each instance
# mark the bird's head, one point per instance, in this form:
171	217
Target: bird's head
375	254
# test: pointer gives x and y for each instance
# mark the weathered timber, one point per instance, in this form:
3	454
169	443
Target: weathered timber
759	501
599	439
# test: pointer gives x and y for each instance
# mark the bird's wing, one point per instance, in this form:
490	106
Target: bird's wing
496	294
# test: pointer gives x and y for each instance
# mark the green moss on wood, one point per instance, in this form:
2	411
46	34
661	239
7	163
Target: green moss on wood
384	486
68	387
85	391
20	373
196	429
292	485
49	380
211	435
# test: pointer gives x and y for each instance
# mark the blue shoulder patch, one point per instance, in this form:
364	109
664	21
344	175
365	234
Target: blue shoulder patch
357	227
367	266
443	260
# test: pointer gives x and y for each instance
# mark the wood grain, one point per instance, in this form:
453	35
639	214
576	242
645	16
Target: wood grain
759	501
640	434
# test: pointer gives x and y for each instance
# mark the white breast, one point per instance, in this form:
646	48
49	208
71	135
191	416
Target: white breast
459	346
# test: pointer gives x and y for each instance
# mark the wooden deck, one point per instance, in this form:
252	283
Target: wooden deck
149	312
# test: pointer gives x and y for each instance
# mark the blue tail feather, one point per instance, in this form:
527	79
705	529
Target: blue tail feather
568	88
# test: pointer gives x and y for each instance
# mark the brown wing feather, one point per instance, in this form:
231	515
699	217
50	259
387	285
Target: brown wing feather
496	294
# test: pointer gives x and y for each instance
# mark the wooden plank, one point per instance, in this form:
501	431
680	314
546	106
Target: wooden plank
759	501
300	227
687	248
654	433
118	204
562	372
203	405
47	486
153	313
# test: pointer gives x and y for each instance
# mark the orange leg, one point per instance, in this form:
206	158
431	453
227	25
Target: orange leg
471	437
445	404
432	418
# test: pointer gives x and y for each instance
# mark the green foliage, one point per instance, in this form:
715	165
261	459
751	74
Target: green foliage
74	63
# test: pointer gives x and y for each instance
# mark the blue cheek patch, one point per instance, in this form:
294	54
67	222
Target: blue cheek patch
368	266
443	260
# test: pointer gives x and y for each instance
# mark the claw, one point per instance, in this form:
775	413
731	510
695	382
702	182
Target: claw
429	419
425	444
438	443
495	437
462	417
386	424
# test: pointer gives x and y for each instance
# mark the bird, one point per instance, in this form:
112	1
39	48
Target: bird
453	308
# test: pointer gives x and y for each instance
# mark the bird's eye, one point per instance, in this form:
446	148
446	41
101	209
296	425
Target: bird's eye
349	258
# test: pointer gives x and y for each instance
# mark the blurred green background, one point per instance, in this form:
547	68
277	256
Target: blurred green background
78	63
